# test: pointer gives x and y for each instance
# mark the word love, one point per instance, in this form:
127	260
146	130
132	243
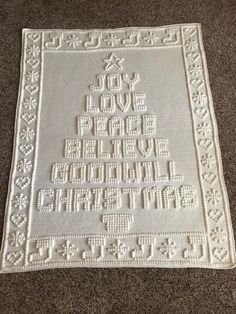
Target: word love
109	102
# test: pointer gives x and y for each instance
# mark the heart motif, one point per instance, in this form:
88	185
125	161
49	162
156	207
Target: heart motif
216	214
220	253
26	149
14	257
18	219
33	62
209	177
22	182
33	37
28	117
205	143
201	112
31	88
193	56
197	83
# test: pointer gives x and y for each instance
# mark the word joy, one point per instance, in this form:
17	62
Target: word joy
115	82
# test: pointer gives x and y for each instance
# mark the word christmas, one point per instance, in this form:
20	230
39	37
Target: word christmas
75	200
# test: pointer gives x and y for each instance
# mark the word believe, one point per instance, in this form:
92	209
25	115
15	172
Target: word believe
117	148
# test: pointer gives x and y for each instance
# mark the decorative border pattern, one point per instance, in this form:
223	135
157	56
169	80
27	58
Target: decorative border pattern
24	155
206	142
214	249
112	39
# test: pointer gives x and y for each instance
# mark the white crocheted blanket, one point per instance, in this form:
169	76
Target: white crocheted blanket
116	159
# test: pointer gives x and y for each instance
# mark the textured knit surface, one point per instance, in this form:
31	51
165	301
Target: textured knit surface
121	290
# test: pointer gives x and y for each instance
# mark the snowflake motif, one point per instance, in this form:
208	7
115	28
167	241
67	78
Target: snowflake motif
27	134
218	235
20	201
195	70
67	250
111	40
14	258
168	248
199	98
33	50
191	44
213	196
32	76
150	38
204	129
208	161
117	249
16	238
73	41
30	103
24	165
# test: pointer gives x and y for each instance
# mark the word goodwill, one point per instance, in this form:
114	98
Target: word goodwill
113	172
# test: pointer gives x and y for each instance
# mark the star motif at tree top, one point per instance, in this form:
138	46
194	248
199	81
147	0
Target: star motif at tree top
113	61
